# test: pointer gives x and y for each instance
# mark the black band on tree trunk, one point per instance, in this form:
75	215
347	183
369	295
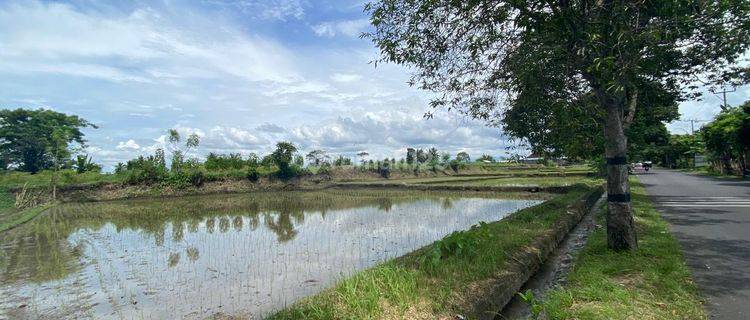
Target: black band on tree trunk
625	197
617	161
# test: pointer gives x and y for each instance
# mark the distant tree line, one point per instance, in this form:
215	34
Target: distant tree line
35	140
727	139
724	142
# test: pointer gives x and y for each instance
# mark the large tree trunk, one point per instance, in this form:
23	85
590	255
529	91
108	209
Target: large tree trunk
620	226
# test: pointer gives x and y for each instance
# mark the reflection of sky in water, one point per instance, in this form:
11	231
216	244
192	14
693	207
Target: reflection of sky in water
243	265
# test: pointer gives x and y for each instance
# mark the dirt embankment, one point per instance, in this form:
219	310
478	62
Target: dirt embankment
427	187
339	177
118	191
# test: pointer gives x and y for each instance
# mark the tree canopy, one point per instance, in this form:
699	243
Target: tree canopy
29	139
555	69
463	157
283	157
727	138
317	157
481	55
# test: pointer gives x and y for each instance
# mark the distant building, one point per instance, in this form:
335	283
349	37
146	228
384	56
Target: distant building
533	158
536	158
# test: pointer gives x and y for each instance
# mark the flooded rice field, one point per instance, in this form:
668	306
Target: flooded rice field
196	257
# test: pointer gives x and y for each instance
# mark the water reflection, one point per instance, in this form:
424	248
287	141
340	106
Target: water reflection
192	257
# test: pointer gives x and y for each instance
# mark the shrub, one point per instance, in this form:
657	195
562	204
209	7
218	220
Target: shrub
455	165
224	162
67	176
184	179
325	168
146	170
252	174
300	171
234	174
385	170
196	178
145	175
341	161
84	164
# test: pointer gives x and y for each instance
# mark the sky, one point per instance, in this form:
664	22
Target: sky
242	74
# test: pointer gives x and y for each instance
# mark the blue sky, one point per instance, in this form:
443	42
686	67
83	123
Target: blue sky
241	74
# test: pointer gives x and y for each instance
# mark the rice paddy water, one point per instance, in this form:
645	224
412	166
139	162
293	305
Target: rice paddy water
196	257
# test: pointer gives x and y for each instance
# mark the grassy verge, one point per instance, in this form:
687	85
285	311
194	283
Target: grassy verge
653	283
22	216
438	281
529	181
13	179
7	201
11	217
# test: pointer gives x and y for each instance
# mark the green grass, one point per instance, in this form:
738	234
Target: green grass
7	201
432	282
11	217
9	220
7	207
653	283
433	180
511	178
530	167
15	179
528	181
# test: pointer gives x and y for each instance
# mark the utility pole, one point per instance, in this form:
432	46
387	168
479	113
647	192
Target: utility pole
692	124
692	127
725	106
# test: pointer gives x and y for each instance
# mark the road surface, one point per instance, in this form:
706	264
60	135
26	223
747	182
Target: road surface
710	217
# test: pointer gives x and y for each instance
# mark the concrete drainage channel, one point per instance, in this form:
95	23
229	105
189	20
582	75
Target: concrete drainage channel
555	270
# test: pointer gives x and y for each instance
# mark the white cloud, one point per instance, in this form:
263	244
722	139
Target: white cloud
345	77
299	87
143	46
388	133
349	28
229	137
267	9
55	30
20	67
142	115
128	145
174	65
270	127
283	9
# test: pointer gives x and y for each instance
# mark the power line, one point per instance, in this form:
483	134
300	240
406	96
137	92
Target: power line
724	92
692	123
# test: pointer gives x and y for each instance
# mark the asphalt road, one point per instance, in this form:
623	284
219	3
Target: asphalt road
710	217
